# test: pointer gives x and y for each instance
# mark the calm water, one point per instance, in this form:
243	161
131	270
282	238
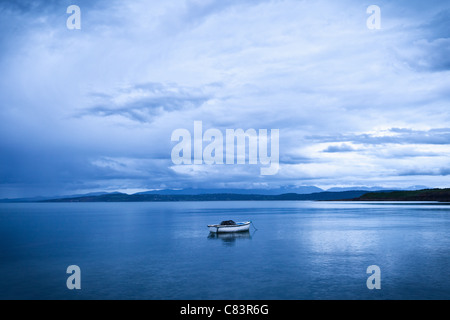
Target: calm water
300	250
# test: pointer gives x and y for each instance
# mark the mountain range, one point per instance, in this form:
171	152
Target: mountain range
195	194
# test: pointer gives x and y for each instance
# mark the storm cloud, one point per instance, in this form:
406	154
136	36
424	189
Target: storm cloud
93	109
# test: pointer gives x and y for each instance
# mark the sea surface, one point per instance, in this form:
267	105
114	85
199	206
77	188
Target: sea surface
294	250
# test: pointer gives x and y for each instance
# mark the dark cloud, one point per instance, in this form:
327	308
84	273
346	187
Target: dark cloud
425	172
340	148
429	49
439	136
438	27
143	102
45	7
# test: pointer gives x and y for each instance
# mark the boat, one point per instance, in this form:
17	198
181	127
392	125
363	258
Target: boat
229	226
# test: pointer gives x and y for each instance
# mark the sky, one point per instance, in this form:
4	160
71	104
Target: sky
93	109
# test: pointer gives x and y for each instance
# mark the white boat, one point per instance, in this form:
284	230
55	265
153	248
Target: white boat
232	227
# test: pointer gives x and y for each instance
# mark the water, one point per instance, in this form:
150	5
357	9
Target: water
300	250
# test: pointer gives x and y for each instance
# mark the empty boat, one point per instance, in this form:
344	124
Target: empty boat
229	226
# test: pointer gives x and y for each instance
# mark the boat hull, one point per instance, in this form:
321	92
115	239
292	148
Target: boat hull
238	227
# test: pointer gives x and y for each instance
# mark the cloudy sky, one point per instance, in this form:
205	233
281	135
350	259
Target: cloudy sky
94	109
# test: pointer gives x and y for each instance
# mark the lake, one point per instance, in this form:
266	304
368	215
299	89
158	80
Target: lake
294	250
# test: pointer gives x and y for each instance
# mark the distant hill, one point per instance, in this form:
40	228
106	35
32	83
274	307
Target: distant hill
274	191
284	193
442	195
41	199
198	191
374	189
140	197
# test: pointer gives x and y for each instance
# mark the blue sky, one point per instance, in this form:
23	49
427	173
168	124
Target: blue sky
93	109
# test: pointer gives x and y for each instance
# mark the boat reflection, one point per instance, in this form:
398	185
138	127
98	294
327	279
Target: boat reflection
229	238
